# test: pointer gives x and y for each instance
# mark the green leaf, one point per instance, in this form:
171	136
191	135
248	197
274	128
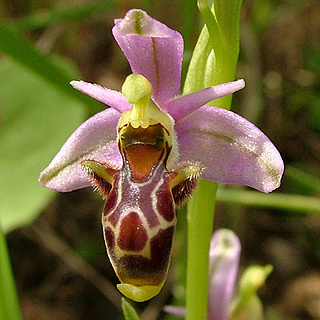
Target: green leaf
9	305
36	119
128	311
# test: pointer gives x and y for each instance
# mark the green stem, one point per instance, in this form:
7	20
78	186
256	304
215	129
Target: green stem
200	224
9	305
211	64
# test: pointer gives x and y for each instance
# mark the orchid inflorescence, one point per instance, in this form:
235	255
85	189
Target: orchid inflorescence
146	152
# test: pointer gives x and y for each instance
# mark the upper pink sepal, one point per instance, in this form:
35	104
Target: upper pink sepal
153	50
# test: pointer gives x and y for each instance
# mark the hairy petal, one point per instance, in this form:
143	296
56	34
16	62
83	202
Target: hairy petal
232	150
153	50
111	98
95	139
182	106
225	250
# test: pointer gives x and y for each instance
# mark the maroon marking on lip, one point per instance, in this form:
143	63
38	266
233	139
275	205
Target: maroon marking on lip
111	203
165	204
138	270
132	235
109	236
160	246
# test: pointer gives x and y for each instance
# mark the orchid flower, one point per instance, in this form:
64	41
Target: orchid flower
146	152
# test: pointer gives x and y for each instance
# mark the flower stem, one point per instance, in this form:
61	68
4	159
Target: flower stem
214	61
200	224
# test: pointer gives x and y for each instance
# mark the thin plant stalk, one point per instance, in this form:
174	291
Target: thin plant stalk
200	222
214	61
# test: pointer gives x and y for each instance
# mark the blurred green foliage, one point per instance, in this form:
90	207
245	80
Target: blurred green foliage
36	119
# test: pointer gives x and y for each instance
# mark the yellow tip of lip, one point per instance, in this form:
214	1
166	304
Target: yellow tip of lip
138	293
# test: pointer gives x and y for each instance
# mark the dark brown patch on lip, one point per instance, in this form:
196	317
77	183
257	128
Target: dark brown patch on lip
132	235
138	270
165	204
109	236
111	203
160	246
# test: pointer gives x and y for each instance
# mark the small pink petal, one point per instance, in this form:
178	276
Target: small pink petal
182	106
111	98
94	139
225	250
232	150
153	50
